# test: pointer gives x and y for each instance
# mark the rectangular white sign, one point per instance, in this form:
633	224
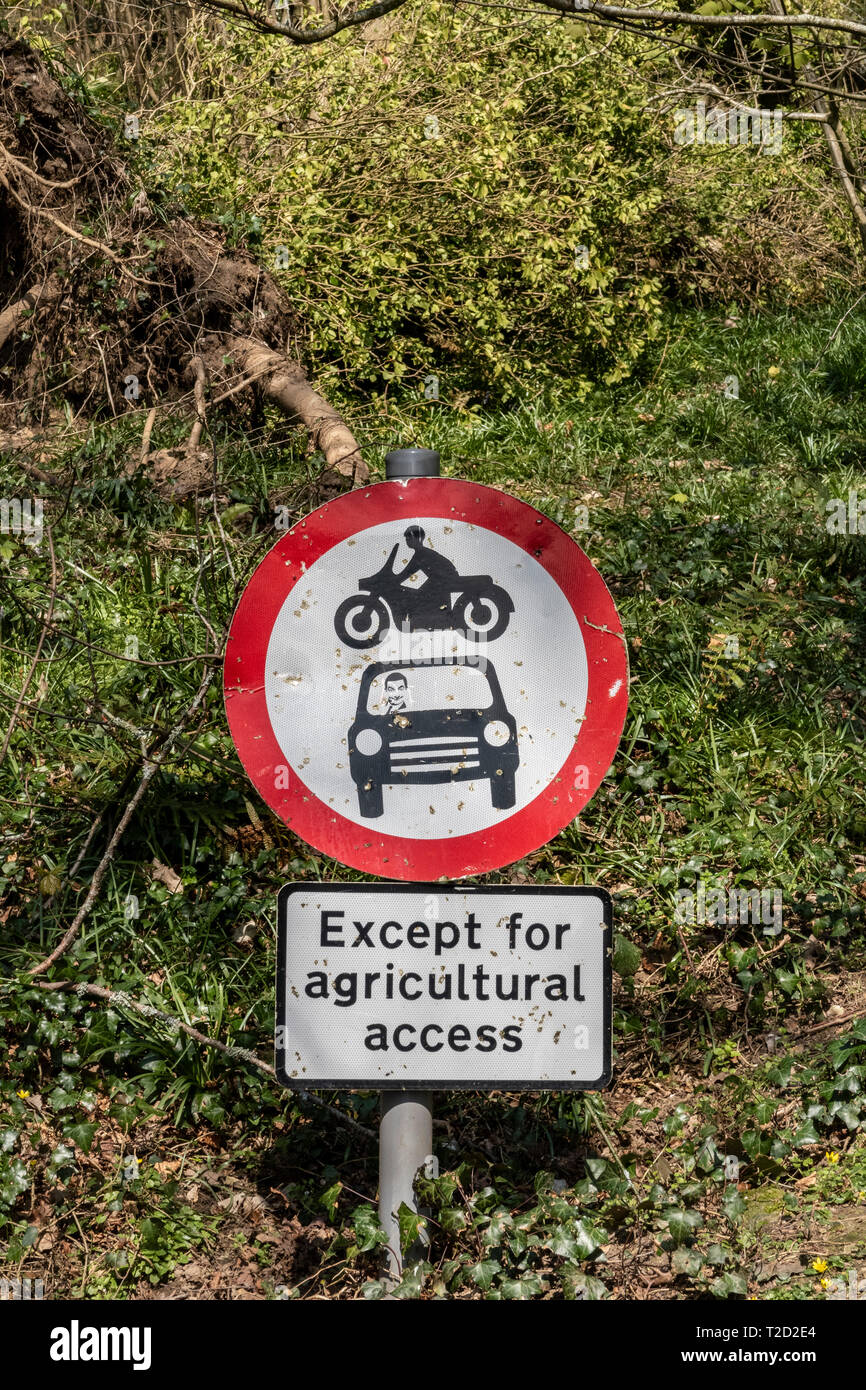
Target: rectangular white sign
443	987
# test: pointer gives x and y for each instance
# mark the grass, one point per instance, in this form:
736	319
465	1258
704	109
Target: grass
740	768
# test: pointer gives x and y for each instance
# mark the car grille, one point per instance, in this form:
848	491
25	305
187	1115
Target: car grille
437	753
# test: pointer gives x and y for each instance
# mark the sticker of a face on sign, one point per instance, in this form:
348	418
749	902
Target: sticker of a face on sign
398	696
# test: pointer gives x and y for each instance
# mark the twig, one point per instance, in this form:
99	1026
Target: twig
31	173
150	767
685	948
107	382
86	1253
146	433
35	662
120	998
838	326
197	366
70	231
45	293
49	902
607	1139
832	1022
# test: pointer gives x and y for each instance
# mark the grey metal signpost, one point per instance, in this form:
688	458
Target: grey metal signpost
405	1145
406	1127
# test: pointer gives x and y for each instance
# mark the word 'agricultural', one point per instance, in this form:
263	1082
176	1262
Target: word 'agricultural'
481	981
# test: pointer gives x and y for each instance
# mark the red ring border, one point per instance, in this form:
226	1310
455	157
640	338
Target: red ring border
454	857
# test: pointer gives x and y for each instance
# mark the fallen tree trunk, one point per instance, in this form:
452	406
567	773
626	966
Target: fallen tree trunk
127	300
285	383
46	293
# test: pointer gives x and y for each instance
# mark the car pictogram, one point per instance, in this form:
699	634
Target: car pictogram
428	723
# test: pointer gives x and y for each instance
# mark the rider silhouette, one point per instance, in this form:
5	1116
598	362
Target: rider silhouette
440	576
427	593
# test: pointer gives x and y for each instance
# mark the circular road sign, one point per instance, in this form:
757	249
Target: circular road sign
426	679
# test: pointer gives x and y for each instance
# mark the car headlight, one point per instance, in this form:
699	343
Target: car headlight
368	741
497	733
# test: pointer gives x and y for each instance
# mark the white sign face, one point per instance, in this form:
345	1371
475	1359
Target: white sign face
443	988
324	696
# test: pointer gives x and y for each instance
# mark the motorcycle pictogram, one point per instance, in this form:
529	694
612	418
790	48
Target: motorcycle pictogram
444	599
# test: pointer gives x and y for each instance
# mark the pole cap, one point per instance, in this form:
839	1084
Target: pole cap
412	463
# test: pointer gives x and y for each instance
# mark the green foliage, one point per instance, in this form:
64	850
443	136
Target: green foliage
731	784
497	208
626	956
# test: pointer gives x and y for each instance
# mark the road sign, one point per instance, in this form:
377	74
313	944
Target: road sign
392	988
426	679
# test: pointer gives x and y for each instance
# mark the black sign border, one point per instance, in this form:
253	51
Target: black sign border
296	1083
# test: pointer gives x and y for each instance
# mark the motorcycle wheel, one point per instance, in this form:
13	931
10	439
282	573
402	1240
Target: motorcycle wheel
486	615
361	622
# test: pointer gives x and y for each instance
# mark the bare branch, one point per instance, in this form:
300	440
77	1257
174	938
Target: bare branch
708	21
151	766
118	998
46	293
292	31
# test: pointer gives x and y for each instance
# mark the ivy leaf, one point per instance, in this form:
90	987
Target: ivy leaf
13	1180
499	1225
682	1223
151	1233
598	1169
452	1219
412	1283
751	1141
484	1272
368	1232
588	1239
61	1155
849	1115
82	1135
733	1204
578	1285
708	1156
530	1286
562	1243
806	1134
717	1254
329	1199
411	1224
626	956
686	1261
730	1283
675	1121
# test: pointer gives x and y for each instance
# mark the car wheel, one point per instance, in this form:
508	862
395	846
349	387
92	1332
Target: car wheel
371	802
502	791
